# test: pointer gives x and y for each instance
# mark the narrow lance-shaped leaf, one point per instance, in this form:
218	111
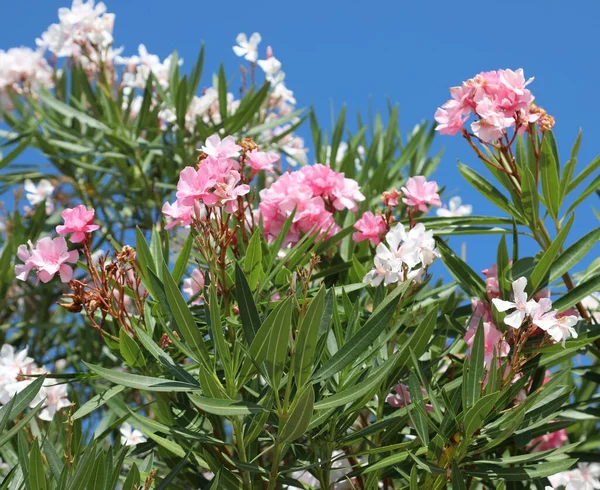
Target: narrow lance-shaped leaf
306	341
357	345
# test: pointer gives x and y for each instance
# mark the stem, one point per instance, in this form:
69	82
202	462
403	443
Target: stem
275	467
239	439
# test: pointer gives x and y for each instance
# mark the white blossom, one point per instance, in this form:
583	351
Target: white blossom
131	436
248	48
455	209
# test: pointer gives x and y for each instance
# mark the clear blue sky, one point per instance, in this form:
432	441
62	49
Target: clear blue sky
338	52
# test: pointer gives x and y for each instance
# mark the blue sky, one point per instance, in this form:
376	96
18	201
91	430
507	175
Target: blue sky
338	52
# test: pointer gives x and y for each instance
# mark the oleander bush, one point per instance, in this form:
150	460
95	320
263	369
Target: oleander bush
190	298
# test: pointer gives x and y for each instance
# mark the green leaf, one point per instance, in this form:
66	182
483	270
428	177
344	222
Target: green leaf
573	255
277	345
522	473
221	406
299	417
253	260
542	268
70	112
593	186
354	392
141	382
37	480
458	482
584	174
131	352
475	370
306	341
184	318
21	400
182	259
248	310
262	340
416	409
97	401
468	279
476	415
54	460
166	481
549	174
133	478
222	90
217	334
576	294
161	356
569	169
502	262
363	338
530	198
488	190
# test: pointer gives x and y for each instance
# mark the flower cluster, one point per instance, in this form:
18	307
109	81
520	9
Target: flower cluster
16	370
406	256
558	326
22	71
418	194
50	256
313	193
499	101
218	181
83	33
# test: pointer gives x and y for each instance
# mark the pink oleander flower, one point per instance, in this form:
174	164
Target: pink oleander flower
227	192
553	440
401	398
391	198
498	99
194	285
370	227
482	311
314	193
48	257
79	221
221	149
419	193
493	340
179	213
492	286
196	185
261	160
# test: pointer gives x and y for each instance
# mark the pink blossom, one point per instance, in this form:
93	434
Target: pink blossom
553	440
492	286
48	257
314	193
193	285
261	160
79	221
228	191
402	397
497	98
493	340
227	148
180	214
196	185
370	227
391	198
420	193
